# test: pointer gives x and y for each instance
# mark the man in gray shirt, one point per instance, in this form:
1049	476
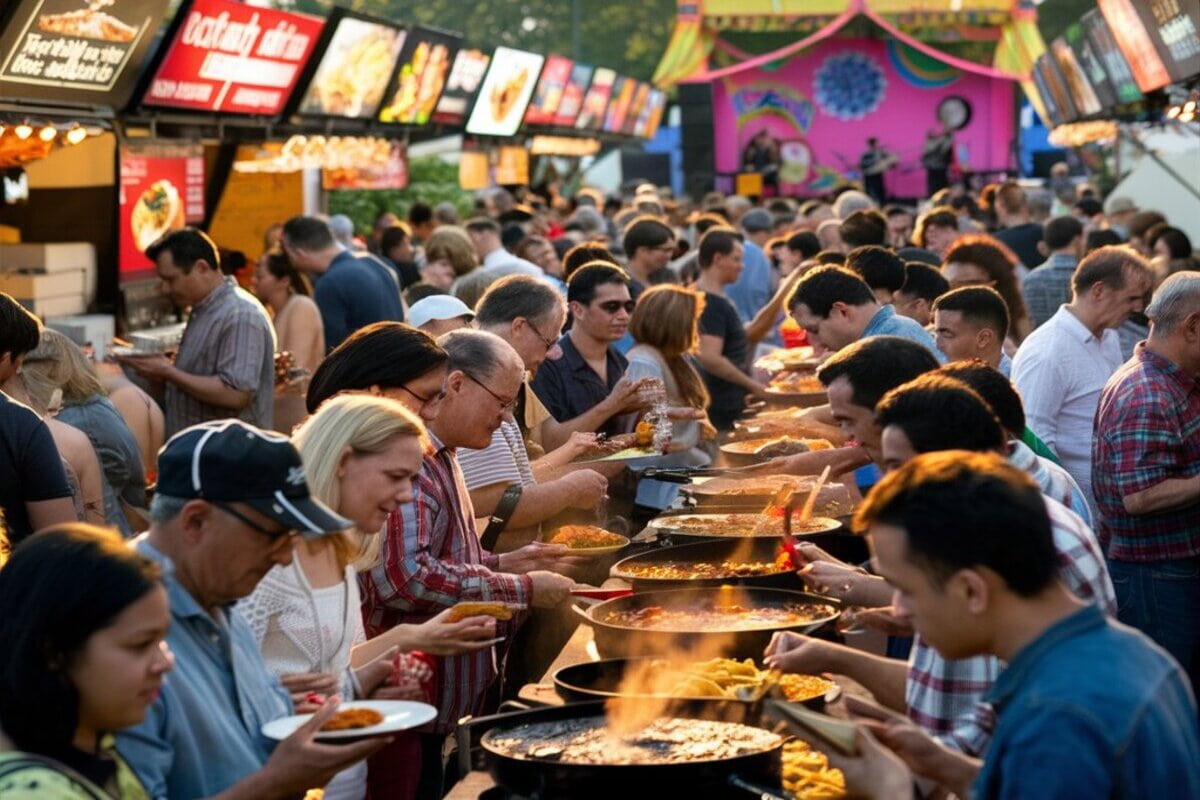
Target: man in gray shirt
1049	286
226	361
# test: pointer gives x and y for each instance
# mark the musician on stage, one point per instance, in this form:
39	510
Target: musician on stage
874	164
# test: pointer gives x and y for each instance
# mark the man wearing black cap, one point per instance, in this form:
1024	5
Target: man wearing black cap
231	499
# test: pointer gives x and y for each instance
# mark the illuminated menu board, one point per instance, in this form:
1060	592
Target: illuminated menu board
1175	27
502	99
1136	43
422	75
461	87
618	106
1091	65
67	51
1117	68
229	57
354	69
1083	96
1053	93
641	94
595	102
572	97
549	92
651	115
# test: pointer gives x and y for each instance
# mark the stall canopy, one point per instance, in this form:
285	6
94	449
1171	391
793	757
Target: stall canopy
716	38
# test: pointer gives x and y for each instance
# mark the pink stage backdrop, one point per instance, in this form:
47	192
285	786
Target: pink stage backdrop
823	104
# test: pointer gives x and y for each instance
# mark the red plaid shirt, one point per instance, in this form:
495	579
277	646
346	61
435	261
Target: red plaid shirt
430	558
1147	431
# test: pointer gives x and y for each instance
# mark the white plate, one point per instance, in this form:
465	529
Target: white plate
398	715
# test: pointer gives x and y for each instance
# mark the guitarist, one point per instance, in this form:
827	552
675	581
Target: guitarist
874	164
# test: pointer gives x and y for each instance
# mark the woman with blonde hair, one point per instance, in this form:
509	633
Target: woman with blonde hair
360	454
57	363
666	330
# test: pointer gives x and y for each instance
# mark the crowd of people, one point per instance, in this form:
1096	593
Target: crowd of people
377	425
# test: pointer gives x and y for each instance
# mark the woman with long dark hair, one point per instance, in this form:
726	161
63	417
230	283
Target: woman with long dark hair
82	637
981	260
389	359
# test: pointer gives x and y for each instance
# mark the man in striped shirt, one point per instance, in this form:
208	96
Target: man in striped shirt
431	557
225	366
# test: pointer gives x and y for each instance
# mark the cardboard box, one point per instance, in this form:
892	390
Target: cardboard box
96	330
37	286
56	306
52	258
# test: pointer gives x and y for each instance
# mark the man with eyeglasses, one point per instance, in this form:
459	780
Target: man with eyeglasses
523	311
431	555
587	376
231	500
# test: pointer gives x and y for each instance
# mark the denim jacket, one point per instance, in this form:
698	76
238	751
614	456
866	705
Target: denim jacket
1092	709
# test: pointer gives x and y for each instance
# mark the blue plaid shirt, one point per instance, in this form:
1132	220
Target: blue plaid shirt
887	322
1048	287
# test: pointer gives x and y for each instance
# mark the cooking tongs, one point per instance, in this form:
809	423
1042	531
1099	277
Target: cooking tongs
685	474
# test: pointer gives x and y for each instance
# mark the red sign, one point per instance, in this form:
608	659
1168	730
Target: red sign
235	58
162	189
549	92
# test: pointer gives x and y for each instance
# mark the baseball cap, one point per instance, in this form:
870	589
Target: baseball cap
439	306
233	462
756	220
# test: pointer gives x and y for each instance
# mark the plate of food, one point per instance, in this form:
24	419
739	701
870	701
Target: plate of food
797	388
834	499
589	539
751	451
358	719
791	358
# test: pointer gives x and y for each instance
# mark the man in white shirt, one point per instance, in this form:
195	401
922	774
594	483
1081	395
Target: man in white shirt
485	238
1062	366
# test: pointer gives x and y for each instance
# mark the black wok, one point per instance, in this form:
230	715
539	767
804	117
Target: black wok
614	640
601	680
548	778
756	550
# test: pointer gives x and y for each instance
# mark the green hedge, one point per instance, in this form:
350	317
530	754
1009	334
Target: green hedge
429	179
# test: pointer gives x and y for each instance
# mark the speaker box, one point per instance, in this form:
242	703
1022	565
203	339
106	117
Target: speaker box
696	137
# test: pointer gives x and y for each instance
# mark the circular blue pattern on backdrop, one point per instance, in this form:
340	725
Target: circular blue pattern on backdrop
849	86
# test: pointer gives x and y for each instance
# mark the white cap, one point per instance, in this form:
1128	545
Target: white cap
438	306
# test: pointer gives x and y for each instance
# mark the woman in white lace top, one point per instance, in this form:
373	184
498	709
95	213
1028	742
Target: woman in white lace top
360	454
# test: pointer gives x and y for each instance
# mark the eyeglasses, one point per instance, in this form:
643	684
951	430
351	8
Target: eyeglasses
548	342
669	247
426	402
275	535
506	406
613	306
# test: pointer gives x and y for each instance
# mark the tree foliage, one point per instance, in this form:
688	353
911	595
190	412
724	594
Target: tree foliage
626	35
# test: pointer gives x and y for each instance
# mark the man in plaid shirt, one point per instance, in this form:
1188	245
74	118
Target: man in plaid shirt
430	554
1146	468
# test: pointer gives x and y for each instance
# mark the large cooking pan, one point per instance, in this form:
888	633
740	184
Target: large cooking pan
550	778
738	524
711	552
613	640
601	680
754	492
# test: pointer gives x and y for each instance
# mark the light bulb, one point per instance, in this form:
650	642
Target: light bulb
23	131
1173	112
48	133
76	135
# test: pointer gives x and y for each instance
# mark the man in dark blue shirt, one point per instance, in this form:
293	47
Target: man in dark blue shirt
1086	707
584	385
354	289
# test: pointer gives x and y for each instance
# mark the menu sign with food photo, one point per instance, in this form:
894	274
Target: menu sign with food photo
424	69
618	107
465	76
591	116
505	93
161	190
572	96
76	51
549	91
651	115
640	97
354	70
230	57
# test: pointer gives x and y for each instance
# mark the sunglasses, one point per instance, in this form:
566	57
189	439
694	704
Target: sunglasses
613	306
